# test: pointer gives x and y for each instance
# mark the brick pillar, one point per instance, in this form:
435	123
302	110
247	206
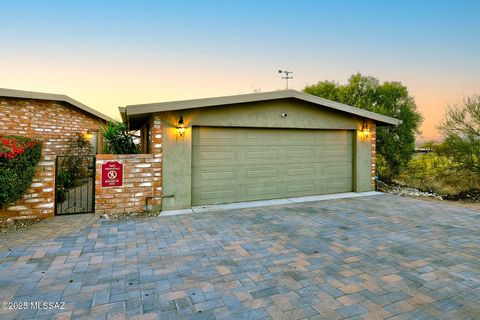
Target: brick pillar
156	148
139	179
373	130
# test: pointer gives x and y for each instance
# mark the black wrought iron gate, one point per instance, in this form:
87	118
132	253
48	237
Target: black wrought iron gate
74	184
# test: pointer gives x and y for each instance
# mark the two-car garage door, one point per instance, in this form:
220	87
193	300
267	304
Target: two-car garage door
242	164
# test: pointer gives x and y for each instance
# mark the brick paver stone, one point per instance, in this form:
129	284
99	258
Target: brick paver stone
378	257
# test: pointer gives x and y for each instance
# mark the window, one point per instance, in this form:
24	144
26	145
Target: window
94	142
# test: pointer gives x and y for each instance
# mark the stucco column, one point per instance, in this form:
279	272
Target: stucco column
177	164
362	162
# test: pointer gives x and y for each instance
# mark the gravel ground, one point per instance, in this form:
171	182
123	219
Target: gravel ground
130	215
463	204
460	200
9	225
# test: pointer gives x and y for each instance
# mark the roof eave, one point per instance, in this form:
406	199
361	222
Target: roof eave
123	113
12	93
263	96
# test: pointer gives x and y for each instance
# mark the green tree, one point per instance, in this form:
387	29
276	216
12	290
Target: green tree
461	128
395	144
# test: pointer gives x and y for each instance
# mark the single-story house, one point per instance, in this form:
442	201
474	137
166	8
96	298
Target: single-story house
257	146
55	120
195	152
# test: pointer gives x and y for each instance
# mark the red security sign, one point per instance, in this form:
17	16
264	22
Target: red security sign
112	174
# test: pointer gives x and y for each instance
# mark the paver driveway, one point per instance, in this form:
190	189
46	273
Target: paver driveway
360	258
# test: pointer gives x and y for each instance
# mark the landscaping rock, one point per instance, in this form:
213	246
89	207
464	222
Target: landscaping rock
470	195
406	191
9	224
129	215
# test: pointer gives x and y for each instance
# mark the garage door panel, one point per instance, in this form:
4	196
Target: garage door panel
336	187
214	195
215	136
253	164
331	157
256	155
306	154
253	173
299	171
329	136
258	137
217	155
227	175
340	171
214	157
304	188
261	190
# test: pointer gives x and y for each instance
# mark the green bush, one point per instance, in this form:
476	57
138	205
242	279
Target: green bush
65	181
118	140
437	173
19	157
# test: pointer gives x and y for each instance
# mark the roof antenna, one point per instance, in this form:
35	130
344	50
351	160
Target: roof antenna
287	75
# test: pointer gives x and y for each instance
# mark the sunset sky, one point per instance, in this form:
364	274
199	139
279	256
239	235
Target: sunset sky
114	53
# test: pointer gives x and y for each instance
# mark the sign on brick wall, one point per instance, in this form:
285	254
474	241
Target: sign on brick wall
112	174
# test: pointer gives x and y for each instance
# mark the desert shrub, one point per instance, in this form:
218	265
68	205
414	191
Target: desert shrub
117	139
461	128
19	157
384	171
437	173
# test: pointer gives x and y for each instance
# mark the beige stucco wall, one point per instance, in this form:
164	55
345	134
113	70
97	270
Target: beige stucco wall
177	157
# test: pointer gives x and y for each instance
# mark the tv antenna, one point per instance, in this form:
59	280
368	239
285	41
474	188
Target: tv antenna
287	75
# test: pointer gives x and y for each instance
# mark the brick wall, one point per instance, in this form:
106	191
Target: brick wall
53	123
373	135
156	148
142	177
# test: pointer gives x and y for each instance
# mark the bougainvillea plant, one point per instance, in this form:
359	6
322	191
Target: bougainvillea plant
10	147
19	157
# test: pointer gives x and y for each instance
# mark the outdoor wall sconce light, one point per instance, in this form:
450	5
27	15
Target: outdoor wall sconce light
88	135
365	129
181	127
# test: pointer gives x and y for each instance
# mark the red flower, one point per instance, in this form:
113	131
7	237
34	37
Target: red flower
11	147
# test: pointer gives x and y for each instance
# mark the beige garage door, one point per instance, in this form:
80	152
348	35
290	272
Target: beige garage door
243	164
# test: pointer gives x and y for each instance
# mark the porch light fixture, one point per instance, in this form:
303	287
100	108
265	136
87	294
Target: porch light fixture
180	127
365	129
88	135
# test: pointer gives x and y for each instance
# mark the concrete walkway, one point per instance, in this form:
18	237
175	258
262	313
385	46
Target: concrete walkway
372	257
267	203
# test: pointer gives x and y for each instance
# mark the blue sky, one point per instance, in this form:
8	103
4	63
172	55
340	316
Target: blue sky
110	53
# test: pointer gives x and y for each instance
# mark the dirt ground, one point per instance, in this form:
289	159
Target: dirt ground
463	204
9	225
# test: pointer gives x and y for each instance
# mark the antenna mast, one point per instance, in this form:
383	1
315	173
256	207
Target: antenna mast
287	75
